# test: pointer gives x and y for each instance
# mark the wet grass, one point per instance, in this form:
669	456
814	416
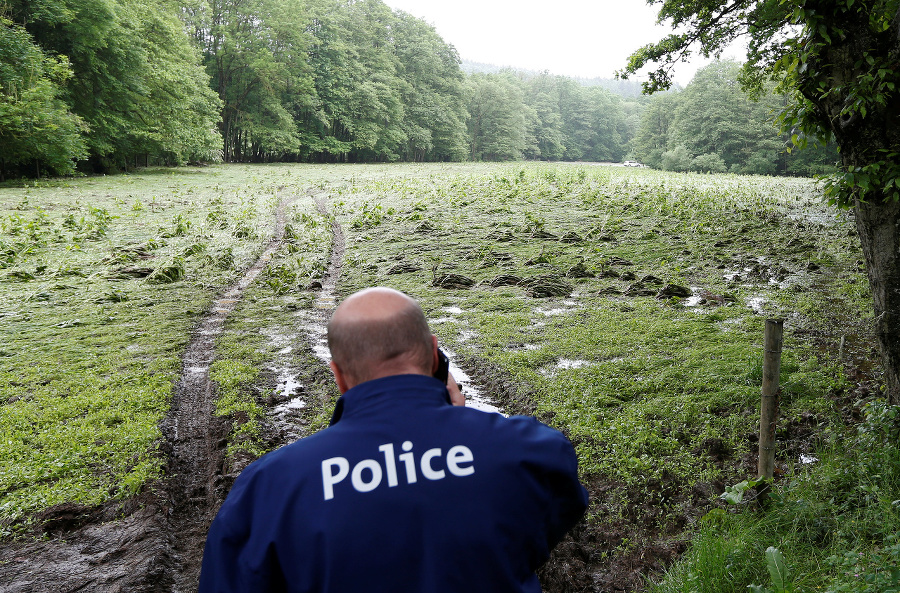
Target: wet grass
658	393
102	281
835	523
675	374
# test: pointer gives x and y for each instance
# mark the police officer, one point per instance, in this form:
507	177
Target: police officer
404	492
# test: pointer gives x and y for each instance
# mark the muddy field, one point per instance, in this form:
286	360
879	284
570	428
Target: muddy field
623	307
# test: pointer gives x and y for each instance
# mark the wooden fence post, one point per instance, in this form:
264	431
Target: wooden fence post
768	409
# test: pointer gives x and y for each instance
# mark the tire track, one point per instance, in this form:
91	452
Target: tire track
315	320
326	301
198	438
153	542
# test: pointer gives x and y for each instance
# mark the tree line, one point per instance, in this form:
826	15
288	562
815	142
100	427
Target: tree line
513	116
712	125
107	85
99	81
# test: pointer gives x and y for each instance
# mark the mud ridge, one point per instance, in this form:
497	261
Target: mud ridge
153	542
197	480
326	301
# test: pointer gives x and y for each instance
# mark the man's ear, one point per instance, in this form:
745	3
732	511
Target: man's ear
339	378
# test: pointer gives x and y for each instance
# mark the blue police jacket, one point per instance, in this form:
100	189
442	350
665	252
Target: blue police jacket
402	493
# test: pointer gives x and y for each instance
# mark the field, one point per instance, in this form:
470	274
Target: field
625	307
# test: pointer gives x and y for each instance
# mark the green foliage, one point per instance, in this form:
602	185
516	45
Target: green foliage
136	86
873	571
370	216
594	125
433	93
728	130
544	117
735	494
169	272
36	127
778	570
778	573
715	117
677	159
709	163
252	52
836	521
834	62
652	137
872	87
497	118
270	80
178	109
331	80
235	373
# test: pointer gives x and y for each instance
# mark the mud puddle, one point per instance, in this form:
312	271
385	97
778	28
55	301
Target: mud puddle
288	399
475	397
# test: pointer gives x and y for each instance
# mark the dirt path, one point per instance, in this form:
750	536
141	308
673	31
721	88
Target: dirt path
197	486
153	542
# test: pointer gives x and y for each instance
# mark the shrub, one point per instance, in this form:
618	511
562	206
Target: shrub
677	159
709	163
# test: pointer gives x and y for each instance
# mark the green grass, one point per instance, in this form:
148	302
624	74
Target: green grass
836	523
89	354
658	397
656	379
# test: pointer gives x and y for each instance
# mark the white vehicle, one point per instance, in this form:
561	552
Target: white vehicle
632	164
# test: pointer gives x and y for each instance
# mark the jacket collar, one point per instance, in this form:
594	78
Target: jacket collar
391	391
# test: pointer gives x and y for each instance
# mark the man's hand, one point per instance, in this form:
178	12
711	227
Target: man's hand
456	396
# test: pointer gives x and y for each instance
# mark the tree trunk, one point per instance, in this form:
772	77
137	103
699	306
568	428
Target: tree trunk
878	224
864	138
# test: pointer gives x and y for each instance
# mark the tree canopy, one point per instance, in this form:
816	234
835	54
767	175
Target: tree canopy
35	125
516	115
714	126
126	70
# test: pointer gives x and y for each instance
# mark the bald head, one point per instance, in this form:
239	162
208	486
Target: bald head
378	332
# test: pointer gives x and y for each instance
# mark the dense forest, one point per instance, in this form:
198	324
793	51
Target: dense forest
106	85
713	126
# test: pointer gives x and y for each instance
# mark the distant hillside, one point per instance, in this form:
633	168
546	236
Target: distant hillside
470	67
629	89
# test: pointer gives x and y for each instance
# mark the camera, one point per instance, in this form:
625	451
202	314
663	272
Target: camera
443	370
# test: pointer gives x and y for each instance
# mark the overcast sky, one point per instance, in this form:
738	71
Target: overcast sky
579	38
